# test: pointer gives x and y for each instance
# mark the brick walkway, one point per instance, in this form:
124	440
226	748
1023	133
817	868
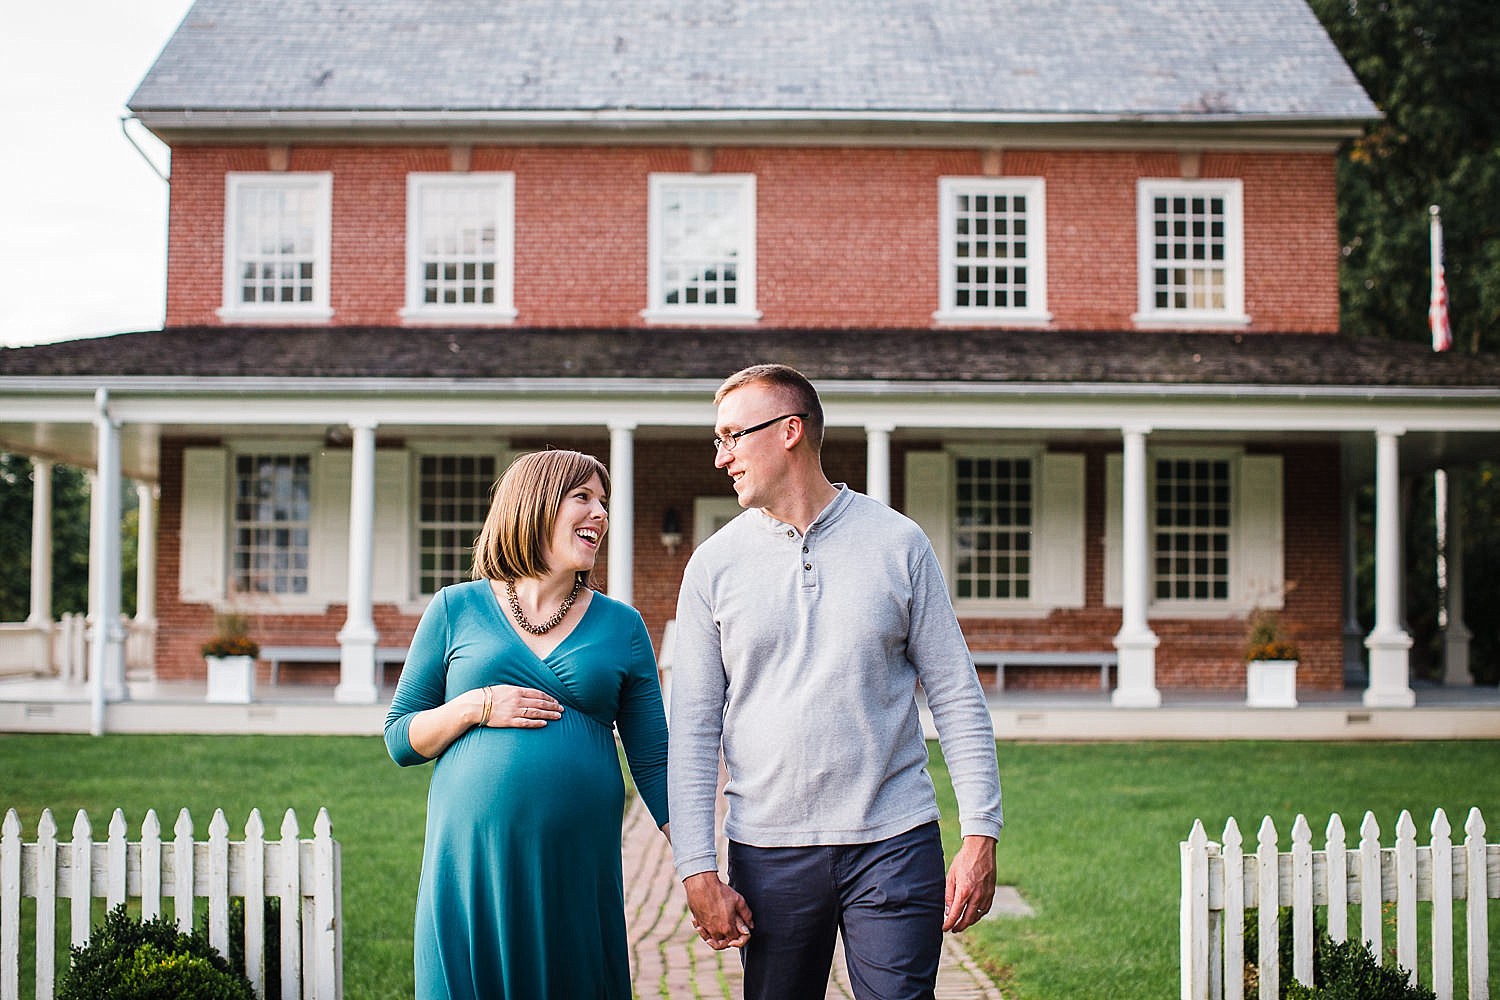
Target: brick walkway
667	959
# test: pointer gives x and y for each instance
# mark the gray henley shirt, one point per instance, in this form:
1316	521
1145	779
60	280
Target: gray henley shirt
799	656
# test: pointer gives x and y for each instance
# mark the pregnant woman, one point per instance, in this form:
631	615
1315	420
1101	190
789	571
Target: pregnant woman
514	685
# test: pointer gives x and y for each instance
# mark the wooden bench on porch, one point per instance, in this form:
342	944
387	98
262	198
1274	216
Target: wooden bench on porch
999	660
277	655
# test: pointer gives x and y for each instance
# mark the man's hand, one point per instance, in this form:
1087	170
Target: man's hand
720	915
971	884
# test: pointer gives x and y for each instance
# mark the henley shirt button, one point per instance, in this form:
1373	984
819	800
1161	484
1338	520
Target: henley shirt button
807	565
790	533
805	548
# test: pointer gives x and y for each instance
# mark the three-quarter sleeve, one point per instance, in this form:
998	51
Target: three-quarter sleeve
643	725
423	682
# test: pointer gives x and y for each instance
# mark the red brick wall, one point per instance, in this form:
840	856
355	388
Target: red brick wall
845	237
1194	653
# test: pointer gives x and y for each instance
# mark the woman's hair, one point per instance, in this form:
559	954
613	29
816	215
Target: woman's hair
795	391
512	545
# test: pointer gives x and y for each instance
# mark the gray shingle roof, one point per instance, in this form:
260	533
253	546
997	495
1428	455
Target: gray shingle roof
996	357
1193	58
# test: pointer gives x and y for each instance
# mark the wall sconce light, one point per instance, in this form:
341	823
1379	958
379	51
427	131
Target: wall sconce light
671	530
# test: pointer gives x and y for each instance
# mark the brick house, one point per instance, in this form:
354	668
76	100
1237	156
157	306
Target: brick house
1067	279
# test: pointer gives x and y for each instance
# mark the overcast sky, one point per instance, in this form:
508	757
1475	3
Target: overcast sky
83	218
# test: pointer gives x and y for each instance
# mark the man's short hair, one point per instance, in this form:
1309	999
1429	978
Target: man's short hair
794	389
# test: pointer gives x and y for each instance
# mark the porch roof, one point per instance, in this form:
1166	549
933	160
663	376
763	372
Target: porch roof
1123	361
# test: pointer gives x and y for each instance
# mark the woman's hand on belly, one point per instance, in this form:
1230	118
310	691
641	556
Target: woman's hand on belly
520	708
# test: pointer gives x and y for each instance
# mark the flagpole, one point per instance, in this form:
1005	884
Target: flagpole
1437	312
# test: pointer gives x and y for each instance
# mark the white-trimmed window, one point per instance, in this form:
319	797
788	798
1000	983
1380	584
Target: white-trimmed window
276	246
271	520
460	239
992	527
993	250
1192	527
1214	531
1006	524
701	248
1192	253
453	497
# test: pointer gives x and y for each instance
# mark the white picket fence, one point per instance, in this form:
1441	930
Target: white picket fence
303	874
1220	882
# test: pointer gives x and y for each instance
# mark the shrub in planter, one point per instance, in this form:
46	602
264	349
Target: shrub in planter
130	959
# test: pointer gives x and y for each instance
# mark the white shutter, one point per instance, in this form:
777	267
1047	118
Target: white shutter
929	478
1058	511
204	539
328	569
391	561
1261	533
1114	527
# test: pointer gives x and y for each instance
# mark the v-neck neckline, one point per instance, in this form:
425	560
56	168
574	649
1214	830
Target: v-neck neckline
515	629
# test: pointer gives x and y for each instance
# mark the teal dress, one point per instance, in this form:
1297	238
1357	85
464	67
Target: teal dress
521	893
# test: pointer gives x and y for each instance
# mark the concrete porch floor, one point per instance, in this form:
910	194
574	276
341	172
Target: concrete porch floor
45	705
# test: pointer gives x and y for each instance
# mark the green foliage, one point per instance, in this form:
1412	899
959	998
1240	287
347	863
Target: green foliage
1431	70
70	538
1347	971
130	959
272	925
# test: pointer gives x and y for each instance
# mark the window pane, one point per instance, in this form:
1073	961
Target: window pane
455	496
458	241
272	511
992	533
1192	523
1192	233
701	242
276	229
988	227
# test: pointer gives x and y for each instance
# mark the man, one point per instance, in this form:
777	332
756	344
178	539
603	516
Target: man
803	628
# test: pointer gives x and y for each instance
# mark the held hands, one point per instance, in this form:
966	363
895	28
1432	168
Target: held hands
971	884
720	915
505	705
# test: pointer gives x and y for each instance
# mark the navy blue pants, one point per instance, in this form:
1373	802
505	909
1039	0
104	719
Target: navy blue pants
885	898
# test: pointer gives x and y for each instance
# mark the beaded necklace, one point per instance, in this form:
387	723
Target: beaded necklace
550	623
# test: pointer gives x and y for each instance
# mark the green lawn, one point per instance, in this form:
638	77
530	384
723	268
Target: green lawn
1091	840
1092	834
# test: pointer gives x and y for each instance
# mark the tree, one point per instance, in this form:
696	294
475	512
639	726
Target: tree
70	539
1433	68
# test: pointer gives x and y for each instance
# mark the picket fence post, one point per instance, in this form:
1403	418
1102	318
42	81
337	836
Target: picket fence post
304	875
1220	883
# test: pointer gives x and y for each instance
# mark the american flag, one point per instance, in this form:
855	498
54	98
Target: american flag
1437	312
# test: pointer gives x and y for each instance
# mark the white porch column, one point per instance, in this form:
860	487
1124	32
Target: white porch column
145	555
1354	661
357	681
107	637
1456	635
1135	641
878	461
621	578
41	544
1388	643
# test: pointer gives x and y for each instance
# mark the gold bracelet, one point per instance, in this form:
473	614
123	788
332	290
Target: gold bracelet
489	703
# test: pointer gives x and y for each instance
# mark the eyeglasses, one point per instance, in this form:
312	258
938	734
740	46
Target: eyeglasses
728	441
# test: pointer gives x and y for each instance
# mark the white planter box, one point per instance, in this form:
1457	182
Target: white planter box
231	678
1271	684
